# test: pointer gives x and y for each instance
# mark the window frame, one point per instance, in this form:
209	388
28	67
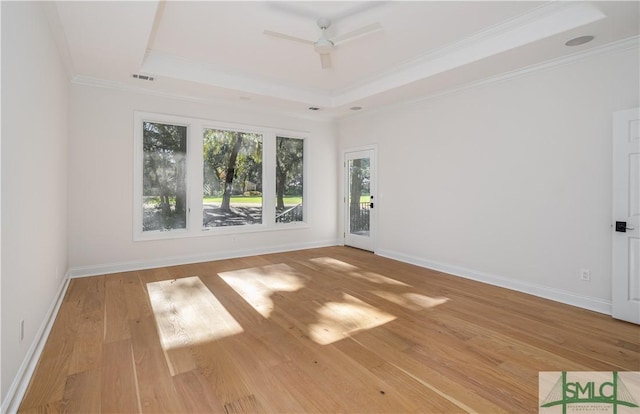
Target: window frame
194	177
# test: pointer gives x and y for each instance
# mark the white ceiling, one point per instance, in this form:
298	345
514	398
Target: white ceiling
217	50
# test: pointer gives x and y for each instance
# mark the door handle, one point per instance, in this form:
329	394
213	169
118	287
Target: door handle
621	226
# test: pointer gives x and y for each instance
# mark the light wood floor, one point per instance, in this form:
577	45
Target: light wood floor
323	330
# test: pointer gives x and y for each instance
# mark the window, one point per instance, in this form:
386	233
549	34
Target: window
232	179
194	177
164	176
289	183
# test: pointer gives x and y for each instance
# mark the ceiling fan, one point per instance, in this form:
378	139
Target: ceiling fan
323	46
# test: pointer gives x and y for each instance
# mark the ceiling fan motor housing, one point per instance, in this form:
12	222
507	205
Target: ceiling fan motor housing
323	23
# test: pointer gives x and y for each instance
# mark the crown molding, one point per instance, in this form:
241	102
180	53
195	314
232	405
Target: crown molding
631	43
317	116
163	64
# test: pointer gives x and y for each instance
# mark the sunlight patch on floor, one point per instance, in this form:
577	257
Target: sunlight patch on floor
376	278
187	313
333	264
353	271
413	301
257	285
338	320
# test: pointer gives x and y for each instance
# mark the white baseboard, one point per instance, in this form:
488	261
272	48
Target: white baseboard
20	383
83	271
585	302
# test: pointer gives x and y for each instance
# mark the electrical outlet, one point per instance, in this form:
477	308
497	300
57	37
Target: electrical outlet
21	333
585	275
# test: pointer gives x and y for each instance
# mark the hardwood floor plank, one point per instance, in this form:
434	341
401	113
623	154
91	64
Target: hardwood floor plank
413	396
157	393
119	393
455	389
87	348
196	393
136	297
564	343
324	330
116	323
336	375
227	382
309	390
484	377
257	361
82	392
50	408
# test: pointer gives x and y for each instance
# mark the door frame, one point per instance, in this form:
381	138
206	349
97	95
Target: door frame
621	306
373	223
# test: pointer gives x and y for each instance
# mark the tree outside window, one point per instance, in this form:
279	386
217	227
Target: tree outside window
289	171
163	183
232	178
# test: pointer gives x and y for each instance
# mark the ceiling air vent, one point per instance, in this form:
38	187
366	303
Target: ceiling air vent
143	77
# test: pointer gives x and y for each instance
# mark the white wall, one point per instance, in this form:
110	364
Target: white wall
101	184
510	181
34	178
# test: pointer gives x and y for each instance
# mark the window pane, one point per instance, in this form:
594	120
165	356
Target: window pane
359	196
164	189
232	184
289	162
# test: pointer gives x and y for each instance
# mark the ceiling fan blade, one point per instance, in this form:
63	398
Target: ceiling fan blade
363	31
325	61
287	37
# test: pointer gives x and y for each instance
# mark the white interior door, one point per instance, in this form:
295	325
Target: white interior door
626	216
359	199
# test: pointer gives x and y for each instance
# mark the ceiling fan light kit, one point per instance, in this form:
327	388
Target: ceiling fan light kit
324	46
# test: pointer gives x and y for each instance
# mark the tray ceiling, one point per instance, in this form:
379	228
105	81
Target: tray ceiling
218	51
